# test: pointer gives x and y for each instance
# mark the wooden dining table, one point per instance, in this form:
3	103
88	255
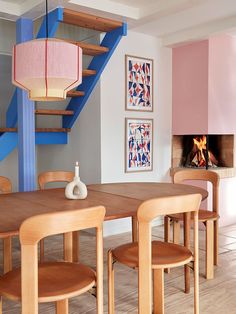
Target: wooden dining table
121	200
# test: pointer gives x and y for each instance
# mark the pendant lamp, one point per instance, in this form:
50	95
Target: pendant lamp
47	68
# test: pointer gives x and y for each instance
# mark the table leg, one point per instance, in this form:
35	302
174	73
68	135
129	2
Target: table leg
68	246
76	246
7	256
176	232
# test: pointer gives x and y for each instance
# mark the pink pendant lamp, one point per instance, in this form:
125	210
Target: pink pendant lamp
47	68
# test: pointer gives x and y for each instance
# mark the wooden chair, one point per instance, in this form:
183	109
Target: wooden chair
57	176
54	281
5	188
207	217
148	256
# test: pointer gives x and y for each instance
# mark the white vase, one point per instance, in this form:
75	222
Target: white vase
76	190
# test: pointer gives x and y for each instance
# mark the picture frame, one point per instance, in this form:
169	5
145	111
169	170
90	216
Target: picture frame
138	145
139	84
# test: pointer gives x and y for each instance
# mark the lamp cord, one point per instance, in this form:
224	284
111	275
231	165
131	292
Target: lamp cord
46	18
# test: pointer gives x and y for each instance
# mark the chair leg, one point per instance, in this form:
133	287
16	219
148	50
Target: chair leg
216	243
134	229
111	292
187	278
196	284
41	251
176	232
0	305
7	254
167	229
158	291
167	235
62	307
209	250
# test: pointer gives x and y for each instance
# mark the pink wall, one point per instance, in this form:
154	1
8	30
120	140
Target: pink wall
190	89
222	85
204	87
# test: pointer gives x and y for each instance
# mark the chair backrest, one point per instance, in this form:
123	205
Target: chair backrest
148	211
54	176
5	185
36	228
201	175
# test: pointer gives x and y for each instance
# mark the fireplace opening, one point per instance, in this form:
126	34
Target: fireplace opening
211	151
201	151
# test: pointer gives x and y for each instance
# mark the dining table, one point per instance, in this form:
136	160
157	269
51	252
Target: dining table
121	200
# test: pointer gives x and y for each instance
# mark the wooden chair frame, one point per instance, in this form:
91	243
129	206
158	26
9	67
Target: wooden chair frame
38	227
212	245
54	176
5	188
60	176
147	212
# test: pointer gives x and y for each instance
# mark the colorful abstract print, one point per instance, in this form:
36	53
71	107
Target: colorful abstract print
139	145
139	85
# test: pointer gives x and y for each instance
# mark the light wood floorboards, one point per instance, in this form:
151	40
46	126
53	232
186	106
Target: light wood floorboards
216	296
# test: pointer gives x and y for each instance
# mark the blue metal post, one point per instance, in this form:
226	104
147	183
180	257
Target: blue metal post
26	121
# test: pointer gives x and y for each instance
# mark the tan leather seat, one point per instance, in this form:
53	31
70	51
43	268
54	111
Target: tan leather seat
162	254
203	215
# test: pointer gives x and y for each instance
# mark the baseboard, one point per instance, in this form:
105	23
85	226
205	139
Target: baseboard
124	225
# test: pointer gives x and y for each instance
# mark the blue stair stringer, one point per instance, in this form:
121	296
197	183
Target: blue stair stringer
98	63
9	140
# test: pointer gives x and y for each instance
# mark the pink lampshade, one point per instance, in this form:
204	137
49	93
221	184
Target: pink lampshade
47	68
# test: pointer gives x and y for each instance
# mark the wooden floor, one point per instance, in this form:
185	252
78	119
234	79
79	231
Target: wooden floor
216	296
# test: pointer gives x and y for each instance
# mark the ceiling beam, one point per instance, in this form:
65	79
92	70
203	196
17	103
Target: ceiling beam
199	32
9	8
107	6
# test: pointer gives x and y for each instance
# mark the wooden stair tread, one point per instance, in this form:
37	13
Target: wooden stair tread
90	21
89	49
64	130
54	112
75	93
88	72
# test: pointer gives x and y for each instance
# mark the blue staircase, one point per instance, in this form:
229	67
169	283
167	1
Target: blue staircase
114	31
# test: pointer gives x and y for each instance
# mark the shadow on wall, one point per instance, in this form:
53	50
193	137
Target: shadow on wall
6	87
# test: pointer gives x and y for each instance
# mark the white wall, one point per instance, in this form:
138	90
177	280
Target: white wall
7	36
113	115
84	145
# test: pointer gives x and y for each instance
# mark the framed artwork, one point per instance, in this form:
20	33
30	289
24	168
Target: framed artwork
138	144
139	84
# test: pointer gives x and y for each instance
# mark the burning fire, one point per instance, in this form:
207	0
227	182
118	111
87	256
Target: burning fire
199	153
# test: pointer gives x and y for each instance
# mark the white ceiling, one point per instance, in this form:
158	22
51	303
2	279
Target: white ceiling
14	1
175	21
138	3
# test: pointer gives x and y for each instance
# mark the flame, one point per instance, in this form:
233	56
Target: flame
201	144
200	151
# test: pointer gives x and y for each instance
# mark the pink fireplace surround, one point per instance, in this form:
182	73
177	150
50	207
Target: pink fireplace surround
204	100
